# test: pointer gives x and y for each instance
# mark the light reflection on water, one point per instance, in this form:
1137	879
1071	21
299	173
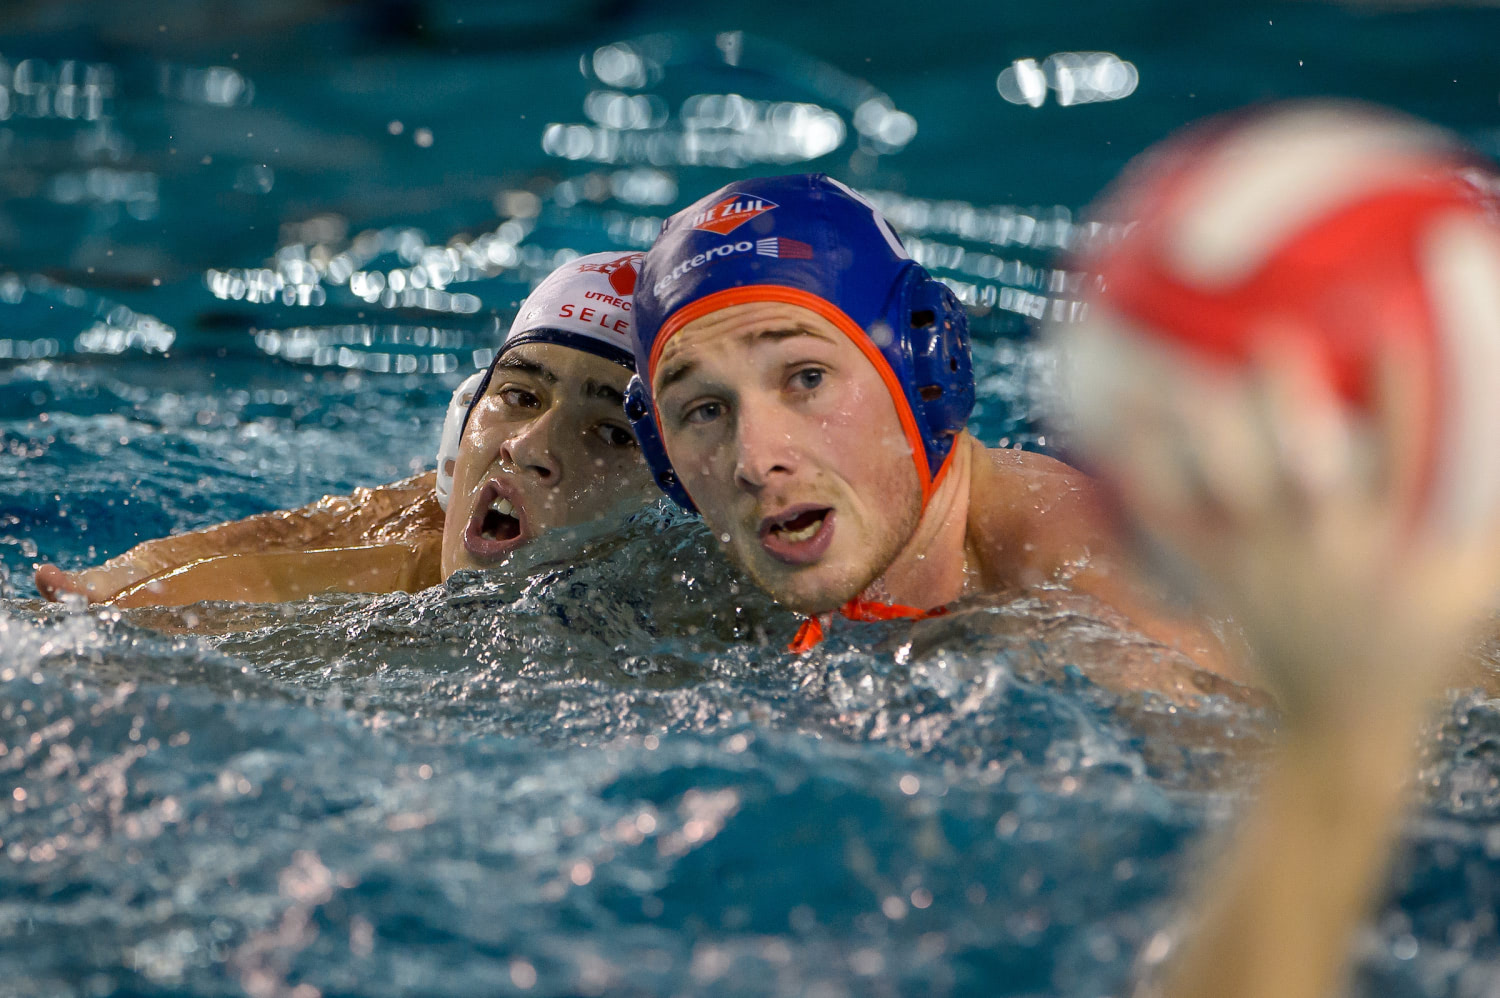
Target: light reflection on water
591	777
303	274
1073	78
730	129
67	89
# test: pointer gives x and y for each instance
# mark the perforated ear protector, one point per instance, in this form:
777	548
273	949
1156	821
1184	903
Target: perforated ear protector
935	330
643	424
454	422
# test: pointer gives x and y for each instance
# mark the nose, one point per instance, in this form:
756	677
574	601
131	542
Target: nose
533	449
765	445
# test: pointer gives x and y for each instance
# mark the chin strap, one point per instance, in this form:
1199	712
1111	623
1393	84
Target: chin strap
810	634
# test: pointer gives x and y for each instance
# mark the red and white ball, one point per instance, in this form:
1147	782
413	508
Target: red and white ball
1350	235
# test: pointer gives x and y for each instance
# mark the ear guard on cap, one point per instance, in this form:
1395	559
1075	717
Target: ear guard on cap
941	389
648	436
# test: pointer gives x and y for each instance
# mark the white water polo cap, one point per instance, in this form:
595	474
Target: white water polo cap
458	411
587	304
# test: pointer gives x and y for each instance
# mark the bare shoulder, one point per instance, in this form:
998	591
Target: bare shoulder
423	482
1030	515
414	518
1016	490
382	497
1034	472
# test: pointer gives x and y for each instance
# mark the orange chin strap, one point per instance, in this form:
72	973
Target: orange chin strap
810	634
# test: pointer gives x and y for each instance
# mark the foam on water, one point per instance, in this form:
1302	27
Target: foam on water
595	771
488	790
496	779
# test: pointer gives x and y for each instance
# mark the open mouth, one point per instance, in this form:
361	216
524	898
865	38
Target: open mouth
799	535
500	522
496	527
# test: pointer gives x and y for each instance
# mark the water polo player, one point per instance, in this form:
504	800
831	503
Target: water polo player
805	384
537	441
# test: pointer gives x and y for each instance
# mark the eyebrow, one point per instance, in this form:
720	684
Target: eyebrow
674	374
591	389
528	367
790	332
598	390
677	372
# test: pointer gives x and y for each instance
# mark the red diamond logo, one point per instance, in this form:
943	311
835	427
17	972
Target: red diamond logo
621	272
731	213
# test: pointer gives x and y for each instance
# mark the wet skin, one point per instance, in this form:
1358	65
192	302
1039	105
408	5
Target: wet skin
548	446
391	533
790	445
550	438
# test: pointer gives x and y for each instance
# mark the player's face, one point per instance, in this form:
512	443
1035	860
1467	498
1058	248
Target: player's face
789	443
547	446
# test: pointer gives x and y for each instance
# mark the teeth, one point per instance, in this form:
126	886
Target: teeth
798	536
503	507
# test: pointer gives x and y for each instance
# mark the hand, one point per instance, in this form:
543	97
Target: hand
56	585
1300	516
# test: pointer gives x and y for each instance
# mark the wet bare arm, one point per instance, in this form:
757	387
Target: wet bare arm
403	514
275	577
1360	616
1278	911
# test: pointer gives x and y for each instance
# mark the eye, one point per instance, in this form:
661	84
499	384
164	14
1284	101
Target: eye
808	378
615	436
518	398
703	412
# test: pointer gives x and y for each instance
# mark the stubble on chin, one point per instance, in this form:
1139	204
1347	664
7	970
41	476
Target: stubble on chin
827	597
838	584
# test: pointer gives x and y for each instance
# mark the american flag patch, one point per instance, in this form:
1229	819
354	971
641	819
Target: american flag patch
784	248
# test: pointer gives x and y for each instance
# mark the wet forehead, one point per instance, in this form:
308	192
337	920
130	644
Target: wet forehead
745	324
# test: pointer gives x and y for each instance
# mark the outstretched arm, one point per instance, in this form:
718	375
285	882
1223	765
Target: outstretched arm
1275	915
279	576
1286	507
237	557
1289	384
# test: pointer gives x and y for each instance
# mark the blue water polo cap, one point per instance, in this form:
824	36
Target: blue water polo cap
807	240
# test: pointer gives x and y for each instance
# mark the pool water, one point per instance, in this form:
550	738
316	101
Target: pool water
244	259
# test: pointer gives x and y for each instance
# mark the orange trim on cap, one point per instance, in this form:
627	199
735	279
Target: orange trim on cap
751	293
942	471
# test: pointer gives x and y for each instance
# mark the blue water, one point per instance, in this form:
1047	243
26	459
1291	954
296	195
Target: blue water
596	773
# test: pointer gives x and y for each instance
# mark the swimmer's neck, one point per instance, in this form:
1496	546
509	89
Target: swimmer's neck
930	570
